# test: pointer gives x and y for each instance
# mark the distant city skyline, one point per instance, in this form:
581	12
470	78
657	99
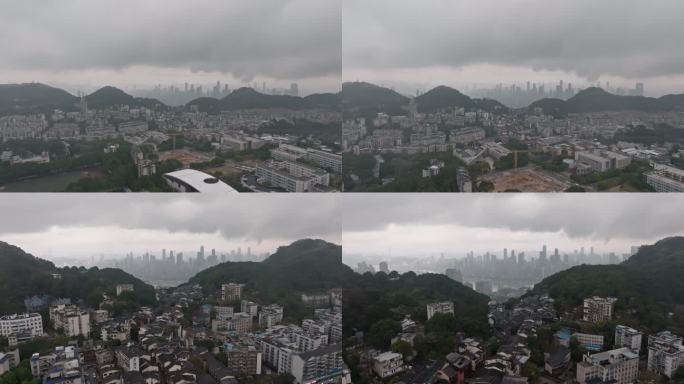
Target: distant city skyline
460	43
82	226
411	225
125	44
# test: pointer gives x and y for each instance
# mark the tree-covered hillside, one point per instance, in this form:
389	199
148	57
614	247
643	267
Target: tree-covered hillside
305	266
648	285
23	275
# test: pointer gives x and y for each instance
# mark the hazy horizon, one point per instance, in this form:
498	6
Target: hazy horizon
454	224
461	43
126	43
81	226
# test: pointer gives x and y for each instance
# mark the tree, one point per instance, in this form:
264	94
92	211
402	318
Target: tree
530	370
485	186
577	350
382	332
441	323
404	348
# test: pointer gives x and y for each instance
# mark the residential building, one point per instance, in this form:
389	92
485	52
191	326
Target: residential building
270	315
627	337
27	323
665	353
243	361
223	313
589	341
128	359
231	291
316	300
442	307
466	135
249	307
598	309
387	364
318	365
72	320
618	366
665	178
9	360
463	180
121	288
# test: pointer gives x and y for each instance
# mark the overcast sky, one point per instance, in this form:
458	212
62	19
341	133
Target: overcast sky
424	224
79	226
129	42
463	42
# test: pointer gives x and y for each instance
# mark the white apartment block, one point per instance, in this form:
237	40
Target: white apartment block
316	299
288	152
308	342
466	135
598	309
325	159
596	162
9	360
70	319
443	307
128	359
619	366
277	177
223	313
30	323
249	307
601	161
270	315
665	353
665	178
121	288
387	364
238	322
319	365
231	291
628	337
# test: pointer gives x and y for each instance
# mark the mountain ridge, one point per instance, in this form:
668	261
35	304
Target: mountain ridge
648	283
23	275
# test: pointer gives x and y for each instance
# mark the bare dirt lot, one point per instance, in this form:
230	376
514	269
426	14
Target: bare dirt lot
525	180
185	156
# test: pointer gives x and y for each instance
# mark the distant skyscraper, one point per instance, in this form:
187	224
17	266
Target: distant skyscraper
639	89
294	89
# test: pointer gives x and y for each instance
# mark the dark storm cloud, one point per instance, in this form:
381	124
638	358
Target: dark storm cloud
599	216
625	38
248	216
281	39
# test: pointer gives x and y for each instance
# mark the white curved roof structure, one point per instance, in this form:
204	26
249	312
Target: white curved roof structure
191	180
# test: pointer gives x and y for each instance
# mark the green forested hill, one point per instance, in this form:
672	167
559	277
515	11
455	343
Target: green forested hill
23	275
370	298
648	285
305	266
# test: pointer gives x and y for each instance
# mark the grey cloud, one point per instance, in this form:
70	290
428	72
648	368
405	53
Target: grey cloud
626	38
255	217
281	39
597	216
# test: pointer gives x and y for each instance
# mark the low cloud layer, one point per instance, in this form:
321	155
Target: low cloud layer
276	39
592	216
151	219
629	39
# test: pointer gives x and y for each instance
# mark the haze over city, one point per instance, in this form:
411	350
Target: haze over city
413	225
419	45
60	226
128	44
